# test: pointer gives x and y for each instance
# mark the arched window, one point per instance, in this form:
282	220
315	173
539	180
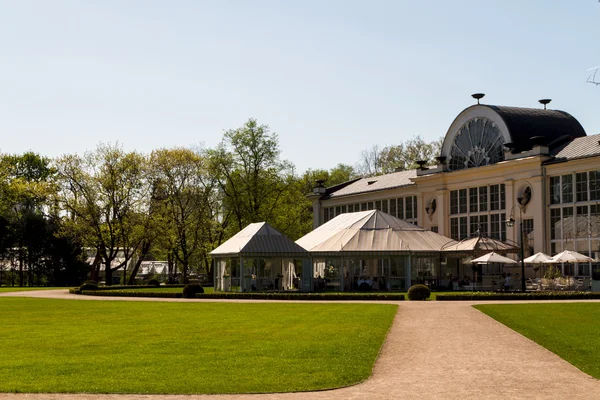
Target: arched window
477	143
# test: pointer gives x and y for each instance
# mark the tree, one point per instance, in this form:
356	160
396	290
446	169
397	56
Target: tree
400	157
105	195
339	174
26	184
370	162
187	188
251	177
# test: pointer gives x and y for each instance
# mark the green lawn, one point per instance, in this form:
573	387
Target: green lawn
570	330
434	294
4	289
140	347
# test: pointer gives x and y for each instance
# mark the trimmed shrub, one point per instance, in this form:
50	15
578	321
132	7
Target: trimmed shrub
129	293
153	282
191	289
418	292
88	286
541	295
337	296
91	281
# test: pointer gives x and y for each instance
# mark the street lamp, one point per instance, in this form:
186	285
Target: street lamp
510	222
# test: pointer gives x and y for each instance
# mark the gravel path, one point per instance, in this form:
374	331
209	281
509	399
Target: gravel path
435	350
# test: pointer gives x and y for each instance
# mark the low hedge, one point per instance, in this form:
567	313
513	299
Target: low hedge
301	296
248	295
133	287
542	295
129	293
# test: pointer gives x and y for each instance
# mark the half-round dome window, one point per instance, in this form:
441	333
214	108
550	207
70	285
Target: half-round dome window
478	142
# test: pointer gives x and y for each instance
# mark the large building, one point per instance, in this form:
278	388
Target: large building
535	165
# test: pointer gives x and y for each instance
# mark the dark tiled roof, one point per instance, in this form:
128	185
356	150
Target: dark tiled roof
524	123
581	147
375	183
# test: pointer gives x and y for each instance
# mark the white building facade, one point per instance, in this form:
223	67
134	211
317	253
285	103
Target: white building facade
537	166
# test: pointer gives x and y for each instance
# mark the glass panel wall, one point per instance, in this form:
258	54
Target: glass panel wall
575	217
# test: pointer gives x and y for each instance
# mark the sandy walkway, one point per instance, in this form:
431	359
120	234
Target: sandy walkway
435	350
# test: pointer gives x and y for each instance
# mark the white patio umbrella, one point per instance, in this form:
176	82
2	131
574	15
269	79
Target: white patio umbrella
569	256
493	258
537	258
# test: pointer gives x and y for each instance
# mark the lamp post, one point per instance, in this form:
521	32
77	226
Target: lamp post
510	222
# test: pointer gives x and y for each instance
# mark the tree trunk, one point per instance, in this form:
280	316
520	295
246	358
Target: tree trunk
107	273
145	249
21	280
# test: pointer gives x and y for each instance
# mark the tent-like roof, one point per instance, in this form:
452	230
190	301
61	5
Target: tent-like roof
479	245
369	233
259	240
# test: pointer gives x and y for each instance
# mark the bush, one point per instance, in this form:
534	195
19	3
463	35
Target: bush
127	293
541	295
91	281
153	282
191	289
418	292
88	286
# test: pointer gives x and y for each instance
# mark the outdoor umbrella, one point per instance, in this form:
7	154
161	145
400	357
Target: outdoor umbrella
537	258
493	258
568	256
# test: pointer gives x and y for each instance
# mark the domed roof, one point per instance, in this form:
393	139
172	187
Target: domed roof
554	126
479	135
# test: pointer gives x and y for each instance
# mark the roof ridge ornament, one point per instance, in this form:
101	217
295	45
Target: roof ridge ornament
544	102
478	96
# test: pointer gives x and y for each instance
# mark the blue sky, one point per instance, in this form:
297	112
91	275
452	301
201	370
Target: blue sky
330	77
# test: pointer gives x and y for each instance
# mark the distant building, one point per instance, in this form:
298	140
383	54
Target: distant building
536	166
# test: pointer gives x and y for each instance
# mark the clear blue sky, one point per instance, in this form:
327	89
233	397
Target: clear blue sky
331	77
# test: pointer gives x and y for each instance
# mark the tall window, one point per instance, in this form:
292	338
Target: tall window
474	204
567	188
581	185
483	198
462	201
574	219
454	202
594	185
409	208
473	201
494	197
555	190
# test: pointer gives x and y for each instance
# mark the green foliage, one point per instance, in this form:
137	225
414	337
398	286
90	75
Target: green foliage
92	282
552	272
153	282
129	293
191	290
538	295
418	292
568	330
208	348
148	292
401	157
105	193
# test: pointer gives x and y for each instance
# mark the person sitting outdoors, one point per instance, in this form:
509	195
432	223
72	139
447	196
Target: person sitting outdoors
507	282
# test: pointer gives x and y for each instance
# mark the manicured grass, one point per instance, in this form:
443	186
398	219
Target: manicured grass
435	294
140	347
570	330
26	288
